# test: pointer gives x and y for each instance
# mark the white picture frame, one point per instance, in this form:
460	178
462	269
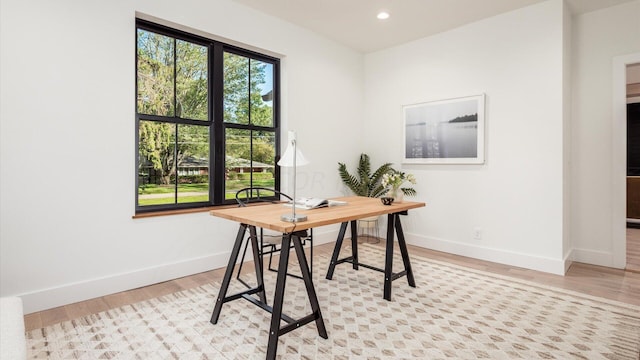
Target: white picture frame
449	131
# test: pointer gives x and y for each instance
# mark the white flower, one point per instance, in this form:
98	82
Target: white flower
395	179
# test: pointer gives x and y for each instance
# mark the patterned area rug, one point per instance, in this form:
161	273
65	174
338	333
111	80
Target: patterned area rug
454	313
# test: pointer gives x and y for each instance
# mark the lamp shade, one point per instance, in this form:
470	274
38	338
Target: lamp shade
293	157
287	158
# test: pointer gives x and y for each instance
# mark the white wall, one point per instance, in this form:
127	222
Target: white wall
67	142
599	37
516	197
566	134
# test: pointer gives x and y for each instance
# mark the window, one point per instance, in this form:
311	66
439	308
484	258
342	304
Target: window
206	120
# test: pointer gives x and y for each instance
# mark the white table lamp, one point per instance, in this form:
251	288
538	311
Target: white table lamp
293	157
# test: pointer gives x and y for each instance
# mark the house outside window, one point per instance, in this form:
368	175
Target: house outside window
206	120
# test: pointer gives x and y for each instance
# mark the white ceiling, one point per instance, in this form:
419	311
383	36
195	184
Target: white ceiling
354	23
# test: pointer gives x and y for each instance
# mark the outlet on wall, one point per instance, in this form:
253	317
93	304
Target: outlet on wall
477	233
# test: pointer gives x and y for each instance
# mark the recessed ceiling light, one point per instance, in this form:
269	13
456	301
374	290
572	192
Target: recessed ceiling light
383	15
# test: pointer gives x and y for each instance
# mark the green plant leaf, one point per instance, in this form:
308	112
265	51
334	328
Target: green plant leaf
365	183
351	181
409	191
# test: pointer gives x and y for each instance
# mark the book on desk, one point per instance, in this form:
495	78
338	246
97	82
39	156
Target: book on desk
315	203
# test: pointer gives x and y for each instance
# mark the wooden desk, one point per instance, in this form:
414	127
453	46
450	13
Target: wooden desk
268	217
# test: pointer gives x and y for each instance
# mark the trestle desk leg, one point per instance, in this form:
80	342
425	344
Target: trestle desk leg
354	243
311	292
276	315
388	262
405	254
336	250
257	262
228	273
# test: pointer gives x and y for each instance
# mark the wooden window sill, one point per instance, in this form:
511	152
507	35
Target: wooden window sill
190	211
180	211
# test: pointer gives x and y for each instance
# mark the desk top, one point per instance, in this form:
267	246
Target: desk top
268	216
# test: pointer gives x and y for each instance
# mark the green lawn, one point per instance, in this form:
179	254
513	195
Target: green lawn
232	187
169	200
167	189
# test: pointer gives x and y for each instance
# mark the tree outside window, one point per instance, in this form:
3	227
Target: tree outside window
178	127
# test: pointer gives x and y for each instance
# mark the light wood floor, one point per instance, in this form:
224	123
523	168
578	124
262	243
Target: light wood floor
633	249
588	279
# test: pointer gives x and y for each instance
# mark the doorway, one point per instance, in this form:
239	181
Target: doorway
633	166
619	160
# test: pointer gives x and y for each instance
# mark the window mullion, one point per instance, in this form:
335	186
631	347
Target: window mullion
211	106
249	119
175	163
276	122
218	143
175	114
175	78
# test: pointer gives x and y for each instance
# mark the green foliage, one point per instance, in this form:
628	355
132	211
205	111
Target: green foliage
159	149
192	179
172	80
256	176
155	74
163	146
364	183
409	191
263	176
155	140
191	81
242	144
243	103
156	79
232	186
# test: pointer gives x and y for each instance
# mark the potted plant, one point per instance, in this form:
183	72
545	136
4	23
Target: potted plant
365	183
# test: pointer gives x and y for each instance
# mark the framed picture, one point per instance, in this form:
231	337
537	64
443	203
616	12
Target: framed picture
445	132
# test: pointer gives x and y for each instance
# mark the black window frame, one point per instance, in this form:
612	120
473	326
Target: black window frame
215	121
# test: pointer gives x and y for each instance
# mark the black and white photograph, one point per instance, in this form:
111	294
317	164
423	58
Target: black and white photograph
447	131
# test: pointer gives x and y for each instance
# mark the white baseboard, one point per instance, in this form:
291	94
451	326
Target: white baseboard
84	290
549	265
568	260
93	288
593	257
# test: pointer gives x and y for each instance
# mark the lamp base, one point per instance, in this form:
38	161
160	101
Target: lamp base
293	218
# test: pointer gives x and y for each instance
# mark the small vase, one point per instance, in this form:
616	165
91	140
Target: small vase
397	195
